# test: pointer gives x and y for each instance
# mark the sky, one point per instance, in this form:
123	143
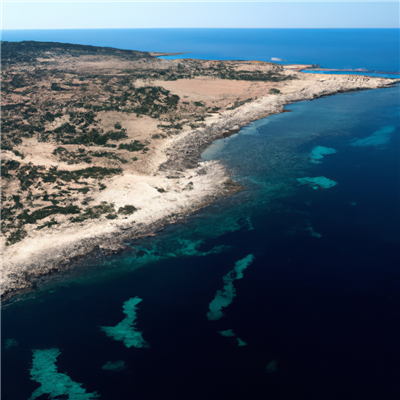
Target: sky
198	14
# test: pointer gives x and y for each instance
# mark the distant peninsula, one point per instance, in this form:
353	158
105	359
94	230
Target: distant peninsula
100	145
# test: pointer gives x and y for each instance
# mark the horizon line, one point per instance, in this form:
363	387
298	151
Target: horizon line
88	29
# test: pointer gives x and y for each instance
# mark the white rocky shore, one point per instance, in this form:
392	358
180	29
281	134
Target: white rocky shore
177	184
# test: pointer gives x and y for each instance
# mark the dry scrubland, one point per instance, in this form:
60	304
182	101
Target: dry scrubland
101	144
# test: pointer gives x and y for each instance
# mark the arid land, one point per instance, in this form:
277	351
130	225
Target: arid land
100	144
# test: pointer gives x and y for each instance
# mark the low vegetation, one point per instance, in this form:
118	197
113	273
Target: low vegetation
274	91
55	96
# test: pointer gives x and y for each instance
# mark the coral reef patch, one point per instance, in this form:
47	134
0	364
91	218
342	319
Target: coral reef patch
125	331
317	182
225	296
114	366
378	138
318	153
53	383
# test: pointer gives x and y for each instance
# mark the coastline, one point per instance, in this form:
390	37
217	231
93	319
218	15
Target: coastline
175	165
359	70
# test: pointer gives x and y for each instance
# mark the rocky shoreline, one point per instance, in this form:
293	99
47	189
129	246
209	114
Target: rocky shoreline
26	273
181	156
187	149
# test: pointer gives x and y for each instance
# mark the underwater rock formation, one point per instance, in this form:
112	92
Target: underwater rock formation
225	296
241	342
114	366
10	343
319	181
53	383
313	233
317	154
272	366
230	333
227	333
125	330
378	138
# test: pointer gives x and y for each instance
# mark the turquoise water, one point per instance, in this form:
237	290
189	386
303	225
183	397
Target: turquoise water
304	279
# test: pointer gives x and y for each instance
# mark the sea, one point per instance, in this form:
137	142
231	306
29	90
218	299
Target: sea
286	290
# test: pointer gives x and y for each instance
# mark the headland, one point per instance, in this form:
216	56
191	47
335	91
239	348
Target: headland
101	145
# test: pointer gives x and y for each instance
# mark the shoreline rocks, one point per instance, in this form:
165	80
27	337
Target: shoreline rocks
183	153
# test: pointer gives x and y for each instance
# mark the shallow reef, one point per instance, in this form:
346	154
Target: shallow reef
227	333
312	232
272	366
317	182
10	343
53	383
230	333
225	296
114	366
318	153
125	330
378	138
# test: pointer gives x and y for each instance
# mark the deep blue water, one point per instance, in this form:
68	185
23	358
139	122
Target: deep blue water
374	49
321	298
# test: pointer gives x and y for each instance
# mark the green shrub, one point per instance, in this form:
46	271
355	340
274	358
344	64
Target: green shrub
65	128
6	212
132	146
239	104
274	91
94	212
12	164
16	236
57	87
47	224
45	212
109	155
17	153
127	210
60	150
17	202
83	190
4	172
68	176
113	135
6	144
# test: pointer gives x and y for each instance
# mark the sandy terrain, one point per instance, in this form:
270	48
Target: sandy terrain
162	183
